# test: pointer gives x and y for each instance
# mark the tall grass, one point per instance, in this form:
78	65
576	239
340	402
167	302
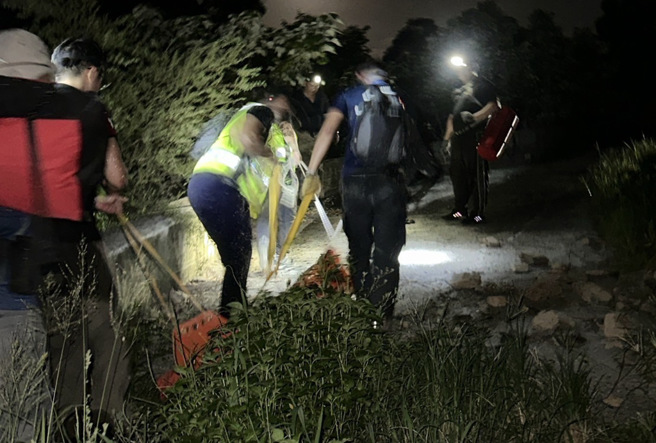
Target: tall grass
623	186
298	368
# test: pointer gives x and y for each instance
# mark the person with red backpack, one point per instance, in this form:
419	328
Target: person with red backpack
474	102
58	147
373	185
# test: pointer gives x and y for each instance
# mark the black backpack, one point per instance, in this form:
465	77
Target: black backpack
379	135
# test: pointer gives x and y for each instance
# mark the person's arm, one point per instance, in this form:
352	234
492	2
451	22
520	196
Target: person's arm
116	174
116	179
449	128
324	139
292	141
486	111
250	137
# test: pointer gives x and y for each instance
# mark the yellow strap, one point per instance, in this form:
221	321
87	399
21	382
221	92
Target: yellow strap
302	209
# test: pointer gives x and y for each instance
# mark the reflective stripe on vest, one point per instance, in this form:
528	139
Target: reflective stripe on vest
219	161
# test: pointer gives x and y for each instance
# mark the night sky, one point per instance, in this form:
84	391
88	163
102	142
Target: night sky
386	17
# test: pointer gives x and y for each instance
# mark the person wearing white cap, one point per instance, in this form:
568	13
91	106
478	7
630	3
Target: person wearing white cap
57	146
23	55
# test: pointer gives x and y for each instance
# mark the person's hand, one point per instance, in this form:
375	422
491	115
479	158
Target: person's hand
446	147
467	118
311	185
110	204
287	129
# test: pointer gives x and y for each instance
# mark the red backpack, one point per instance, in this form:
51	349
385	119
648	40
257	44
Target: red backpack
497	134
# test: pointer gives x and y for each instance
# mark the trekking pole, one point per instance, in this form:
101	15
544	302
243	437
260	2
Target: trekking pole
158	258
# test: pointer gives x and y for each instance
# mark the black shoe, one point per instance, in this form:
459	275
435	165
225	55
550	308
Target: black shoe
474	220
409	221
455	215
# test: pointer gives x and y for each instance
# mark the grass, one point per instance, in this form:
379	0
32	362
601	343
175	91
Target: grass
304	368
622	184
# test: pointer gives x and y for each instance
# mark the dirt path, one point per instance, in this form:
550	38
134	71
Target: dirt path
533	209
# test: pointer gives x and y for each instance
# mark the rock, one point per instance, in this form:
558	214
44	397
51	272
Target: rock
614	326
466	280
560	267
545	321
521	268
535	260
543	290
613	401
497	301
592	292
491	242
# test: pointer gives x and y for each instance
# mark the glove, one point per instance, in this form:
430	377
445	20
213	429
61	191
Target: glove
467	118
311	185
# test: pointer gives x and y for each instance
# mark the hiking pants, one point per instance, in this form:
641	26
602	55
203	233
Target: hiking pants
224	213
374	222
469	175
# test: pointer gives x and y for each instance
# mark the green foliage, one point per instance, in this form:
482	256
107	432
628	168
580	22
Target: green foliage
299	366
293	49
622	185
169	77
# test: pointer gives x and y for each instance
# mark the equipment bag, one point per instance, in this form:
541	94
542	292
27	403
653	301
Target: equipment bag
497	134
210	132
380	134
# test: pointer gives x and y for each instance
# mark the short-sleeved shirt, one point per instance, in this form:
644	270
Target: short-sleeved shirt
346	103
67	117
310	113
471	97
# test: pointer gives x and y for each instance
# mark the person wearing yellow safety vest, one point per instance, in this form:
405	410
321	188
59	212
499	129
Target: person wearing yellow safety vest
229	185
290	160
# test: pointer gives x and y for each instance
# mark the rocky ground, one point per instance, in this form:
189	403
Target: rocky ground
537	262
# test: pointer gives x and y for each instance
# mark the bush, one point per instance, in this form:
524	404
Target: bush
622	185
302	368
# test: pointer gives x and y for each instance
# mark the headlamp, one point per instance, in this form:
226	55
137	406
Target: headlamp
458	61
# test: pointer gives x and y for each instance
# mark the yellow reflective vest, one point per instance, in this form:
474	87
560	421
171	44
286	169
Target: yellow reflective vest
251	175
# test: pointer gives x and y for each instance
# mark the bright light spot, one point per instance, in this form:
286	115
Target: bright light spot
425	257
209	244
456	60
317	79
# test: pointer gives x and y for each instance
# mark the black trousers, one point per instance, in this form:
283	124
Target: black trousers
374	222
469	175
85	311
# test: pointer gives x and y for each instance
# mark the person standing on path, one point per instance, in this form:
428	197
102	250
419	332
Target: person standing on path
474	102
373	197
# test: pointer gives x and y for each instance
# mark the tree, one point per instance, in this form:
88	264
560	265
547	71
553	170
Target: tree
170	75
626	28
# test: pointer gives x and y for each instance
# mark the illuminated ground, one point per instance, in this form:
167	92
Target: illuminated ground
533	209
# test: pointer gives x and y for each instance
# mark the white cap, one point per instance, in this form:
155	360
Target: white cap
24	55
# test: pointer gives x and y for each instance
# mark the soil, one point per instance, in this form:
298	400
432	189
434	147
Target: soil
537	261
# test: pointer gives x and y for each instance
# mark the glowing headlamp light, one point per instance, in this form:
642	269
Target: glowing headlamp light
458	61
